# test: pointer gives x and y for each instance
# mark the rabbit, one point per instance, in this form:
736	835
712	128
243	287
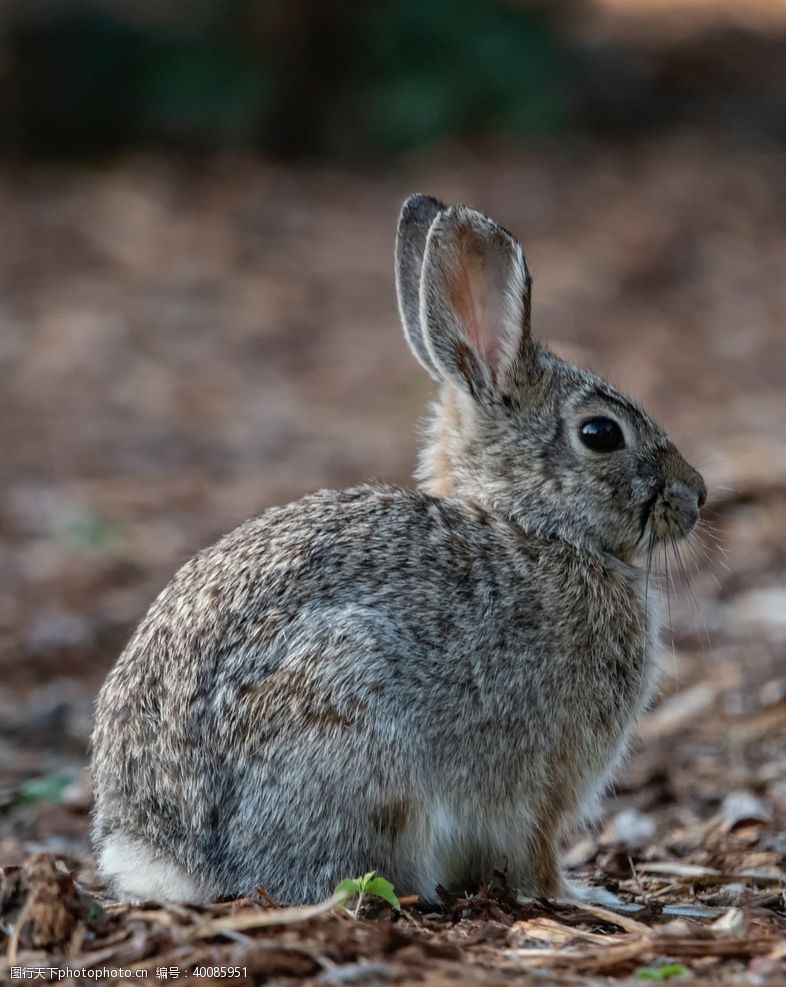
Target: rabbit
431	683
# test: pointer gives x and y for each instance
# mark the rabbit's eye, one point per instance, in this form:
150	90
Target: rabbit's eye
601	435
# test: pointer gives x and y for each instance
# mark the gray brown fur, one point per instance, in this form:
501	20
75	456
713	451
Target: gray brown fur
431	683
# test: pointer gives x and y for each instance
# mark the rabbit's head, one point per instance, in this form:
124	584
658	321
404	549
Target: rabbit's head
516	428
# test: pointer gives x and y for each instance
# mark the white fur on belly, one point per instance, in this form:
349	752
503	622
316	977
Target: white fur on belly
137	873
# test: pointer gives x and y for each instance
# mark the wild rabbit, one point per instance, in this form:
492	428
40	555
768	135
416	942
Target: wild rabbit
431	683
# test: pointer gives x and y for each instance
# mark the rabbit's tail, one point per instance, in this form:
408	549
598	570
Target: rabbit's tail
138	872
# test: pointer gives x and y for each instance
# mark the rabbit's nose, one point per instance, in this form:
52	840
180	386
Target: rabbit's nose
686	501
702	491
688	483
695	481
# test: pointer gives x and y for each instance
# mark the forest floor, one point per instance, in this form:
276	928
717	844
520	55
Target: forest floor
181	346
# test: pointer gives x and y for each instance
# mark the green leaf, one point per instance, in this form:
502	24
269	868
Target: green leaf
385	890
660	973
93	913
348	887
363	881
92	533
47	789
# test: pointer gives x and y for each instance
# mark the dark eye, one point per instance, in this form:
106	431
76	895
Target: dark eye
601	435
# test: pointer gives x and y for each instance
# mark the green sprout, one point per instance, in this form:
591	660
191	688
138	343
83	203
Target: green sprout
369	884
50	788
660	973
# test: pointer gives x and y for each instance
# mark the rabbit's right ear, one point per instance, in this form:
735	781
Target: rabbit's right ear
475	304
417	215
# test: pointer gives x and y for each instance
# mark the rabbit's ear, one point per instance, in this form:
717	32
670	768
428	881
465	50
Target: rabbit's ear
417	215
475	302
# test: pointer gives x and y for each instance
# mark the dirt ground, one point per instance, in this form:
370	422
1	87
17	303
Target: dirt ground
181	346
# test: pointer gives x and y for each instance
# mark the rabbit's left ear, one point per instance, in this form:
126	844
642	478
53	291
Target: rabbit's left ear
414	222
475	302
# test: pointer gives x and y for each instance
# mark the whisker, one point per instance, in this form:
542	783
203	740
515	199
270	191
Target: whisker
704	530
648	572
681	566
692	548
692	596
647	577
712	529
668	610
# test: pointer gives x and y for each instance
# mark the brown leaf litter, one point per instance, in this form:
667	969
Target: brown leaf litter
485	939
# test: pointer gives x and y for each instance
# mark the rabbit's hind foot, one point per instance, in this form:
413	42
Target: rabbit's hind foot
137	872
575	894
578	893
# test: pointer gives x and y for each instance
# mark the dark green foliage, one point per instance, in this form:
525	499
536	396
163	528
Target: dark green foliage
358	79
88	80
335	77
463	68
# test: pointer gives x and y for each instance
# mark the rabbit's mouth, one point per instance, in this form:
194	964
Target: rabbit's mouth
670	514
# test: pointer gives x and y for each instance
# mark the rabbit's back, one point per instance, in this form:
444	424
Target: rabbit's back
339	678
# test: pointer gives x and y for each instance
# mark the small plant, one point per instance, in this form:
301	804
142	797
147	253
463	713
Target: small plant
50	788
369	884
94	913
660	973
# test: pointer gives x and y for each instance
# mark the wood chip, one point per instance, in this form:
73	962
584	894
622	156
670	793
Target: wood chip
623	921
258	920
709	875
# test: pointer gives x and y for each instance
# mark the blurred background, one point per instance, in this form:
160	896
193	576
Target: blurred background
197	319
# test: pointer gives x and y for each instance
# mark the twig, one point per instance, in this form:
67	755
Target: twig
623	921
271	917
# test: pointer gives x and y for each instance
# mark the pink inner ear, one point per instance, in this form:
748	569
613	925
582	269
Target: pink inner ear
477	289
